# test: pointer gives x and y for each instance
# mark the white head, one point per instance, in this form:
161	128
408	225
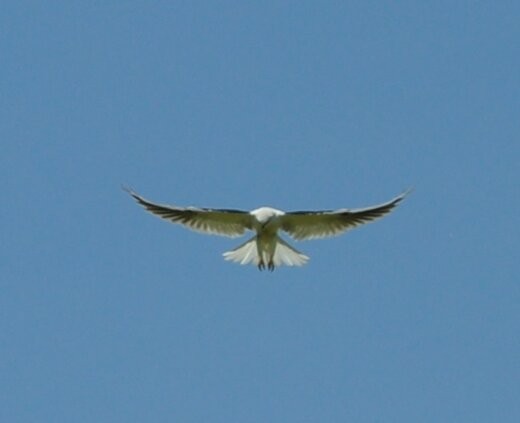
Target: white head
263	214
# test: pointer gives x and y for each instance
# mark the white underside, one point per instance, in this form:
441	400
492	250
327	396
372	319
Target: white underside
247	253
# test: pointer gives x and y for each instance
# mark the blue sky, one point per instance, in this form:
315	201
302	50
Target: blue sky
109	314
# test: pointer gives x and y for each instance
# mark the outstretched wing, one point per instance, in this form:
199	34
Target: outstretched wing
231	223
321	224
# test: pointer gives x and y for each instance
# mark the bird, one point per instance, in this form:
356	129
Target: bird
266	249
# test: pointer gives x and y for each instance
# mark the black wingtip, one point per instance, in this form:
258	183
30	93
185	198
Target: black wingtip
131	192
408	191
403	195
127	189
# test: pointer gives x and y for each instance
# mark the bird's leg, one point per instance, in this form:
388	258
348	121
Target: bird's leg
261	265
270	266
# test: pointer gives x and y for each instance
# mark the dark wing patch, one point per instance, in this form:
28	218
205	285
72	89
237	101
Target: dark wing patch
320	224
226	222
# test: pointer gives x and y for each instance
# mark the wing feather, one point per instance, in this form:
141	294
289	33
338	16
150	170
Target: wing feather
302	225
226	222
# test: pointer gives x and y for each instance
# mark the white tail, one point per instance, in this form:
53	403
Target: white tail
285	254
247	253
244	254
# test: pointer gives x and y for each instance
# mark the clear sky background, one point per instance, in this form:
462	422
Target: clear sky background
108	314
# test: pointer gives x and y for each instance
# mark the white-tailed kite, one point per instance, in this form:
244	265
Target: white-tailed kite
266	248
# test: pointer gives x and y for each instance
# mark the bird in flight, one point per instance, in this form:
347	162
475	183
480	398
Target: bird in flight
266	249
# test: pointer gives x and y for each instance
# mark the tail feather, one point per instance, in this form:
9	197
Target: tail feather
285	254
244	254
247	253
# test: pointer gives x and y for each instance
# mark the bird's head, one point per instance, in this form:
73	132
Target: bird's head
264	214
